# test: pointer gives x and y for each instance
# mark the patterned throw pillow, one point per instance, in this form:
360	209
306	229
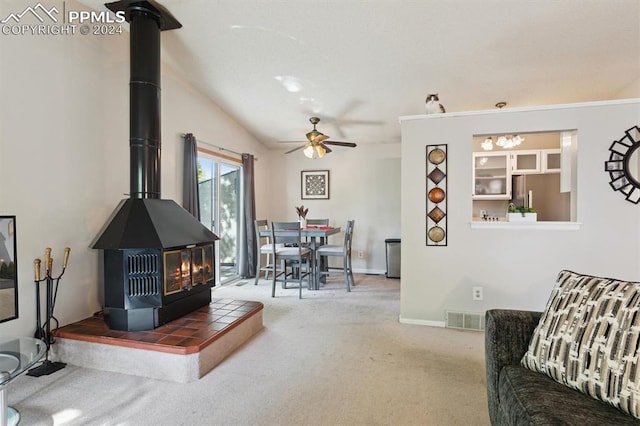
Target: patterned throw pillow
589	339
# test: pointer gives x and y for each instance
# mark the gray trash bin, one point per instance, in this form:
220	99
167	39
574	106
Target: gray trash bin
392	248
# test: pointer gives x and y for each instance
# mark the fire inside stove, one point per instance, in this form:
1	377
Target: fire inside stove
187	268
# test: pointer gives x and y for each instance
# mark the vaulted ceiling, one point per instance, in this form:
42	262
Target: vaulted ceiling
359	65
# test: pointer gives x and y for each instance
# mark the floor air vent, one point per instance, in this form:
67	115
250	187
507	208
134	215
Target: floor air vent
465	320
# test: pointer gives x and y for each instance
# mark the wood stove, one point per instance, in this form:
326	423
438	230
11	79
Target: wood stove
158	258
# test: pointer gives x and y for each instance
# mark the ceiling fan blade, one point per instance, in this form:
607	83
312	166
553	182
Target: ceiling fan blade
291	142
326	148
298	148
321	138
349	144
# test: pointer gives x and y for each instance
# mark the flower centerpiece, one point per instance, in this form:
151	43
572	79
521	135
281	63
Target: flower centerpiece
302	216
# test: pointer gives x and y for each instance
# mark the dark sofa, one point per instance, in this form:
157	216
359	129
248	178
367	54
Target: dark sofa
519	396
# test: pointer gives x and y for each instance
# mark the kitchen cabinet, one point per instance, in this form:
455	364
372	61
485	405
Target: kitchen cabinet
492	171
569	150
551	161
535	161
525	161
491	175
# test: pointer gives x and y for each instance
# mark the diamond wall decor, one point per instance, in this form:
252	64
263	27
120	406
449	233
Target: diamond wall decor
436	195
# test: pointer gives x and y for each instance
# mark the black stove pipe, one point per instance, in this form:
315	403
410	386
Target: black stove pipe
144	105
146	18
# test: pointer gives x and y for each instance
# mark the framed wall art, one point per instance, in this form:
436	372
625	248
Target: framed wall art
314	184
436	195
8	269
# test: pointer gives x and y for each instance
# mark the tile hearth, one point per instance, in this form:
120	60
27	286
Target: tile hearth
182	350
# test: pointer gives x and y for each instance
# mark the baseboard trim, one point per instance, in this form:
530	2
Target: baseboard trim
414	321
369	271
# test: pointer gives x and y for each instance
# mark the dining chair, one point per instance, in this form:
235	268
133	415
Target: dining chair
317	222
288	250
264	247
314	243
337	250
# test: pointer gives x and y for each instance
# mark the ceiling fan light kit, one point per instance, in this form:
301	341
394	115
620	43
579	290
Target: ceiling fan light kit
314	151
316	147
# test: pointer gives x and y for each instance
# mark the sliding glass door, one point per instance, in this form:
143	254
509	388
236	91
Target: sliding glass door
219	188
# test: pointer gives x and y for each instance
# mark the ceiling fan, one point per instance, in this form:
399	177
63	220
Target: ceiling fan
316	147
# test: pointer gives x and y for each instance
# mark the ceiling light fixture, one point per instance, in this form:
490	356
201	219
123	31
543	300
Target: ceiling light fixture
503	141
487	144
509	142
314	151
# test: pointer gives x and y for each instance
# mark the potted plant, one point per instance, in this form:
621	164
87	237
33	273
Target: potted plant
521	214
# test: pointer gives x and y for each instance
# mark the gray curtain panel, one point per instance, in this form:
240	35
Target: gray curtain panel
190	197
248	250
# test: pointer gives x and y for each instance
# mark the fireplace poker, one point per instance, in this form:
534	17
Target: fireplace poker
67	250
39	334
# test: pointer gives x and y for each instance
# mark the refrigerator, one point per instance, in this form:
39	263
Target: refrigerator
542	192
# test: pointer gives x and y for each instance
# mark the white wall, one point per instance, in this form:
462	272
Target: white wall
364	186
52	159
517	268
64	153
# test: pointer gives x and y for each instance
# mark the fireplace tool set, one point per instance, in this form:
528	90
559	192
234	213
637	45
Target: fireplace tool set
43	330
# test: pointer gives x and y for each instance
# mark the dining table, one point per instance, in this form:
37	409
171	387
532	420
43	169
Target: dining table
316	236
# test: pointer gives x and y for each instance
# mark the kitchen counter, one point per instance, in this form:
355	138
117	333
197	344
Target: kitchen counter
504	224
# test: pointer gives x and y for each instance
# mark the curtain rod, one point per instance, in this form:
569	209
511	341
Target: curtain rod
219	147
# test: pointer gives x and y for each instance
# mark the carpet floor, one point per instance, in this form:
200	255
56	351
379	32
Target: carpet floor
332	358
